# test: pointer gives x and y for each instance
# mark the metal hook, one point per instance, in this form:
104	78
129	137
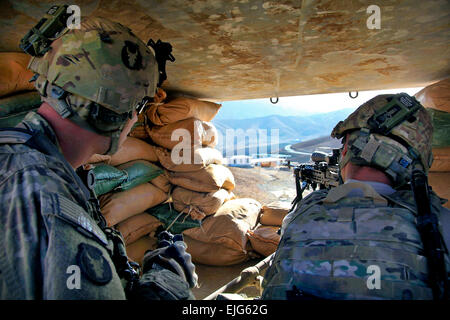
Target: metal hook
276	101
353	97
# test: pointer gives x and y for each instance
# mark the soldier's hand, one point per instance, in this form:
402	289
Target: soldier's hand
171	254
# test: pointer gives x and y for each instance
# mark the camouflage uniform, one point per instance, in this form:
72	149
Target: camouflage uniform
46	212
336	243
50	222
329	242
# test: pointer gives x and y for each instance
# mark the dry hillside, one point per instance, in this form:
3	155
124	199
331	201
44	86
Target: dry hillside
264	184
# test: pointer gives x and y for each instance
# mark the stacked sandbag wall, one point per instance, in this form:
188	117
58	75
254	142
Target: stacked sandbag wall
201	187
128	184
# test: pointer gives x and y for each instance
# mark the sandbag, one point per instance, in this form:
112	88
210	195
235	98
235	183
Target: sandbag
274	213
222	238
162	182
137	249
137	226
180	109
14	119
172	220
190	132
214	254
132	149
118	206
440	183
14	108
99	159
208	179
104	178
441	160
199	158
264	239
199	204
14	75
138	172
436	96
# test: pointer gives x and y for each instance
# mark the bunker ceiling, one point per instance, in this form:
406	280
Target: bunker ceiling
244	49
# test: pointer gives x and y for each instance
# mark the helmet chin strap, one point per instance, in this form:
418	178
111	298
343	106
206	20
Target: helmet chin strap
114	142
61	106
114	135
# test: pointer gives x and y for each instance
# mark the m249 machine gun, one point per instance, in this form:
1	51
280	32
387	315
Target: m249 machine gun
322	172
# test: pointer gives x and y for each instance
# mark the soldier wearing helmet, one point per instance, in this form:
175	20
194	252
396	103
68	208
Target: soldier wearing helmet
55	243
365	238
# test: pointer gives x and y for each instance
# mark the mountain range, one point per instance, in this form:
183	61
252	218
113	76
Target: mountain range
292	129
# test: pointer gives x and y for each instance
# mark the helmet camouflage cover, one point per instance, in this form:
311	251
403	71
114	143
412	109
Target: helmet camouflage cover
392	151
103	61
96	75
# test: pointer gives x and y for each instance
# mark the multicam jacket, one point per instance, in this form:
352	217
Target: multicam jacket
342	244
49	234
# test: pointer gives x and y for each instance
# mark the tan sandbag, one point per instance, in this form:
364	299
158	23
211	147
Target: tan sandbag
441	160
132	149
137	249
274	213
436	95
162	182
99	158
137	226
199	204
119	206
189	132
440	183
180	109
14	74
214	254
199	158
208	179
264	239
222	240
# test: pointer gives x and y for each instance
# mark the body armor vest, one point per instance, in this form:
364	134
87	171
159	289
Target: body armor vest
351	243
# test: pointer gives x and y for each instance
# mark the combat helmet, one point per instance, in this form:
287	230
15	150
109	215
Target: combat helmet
391	132
95	75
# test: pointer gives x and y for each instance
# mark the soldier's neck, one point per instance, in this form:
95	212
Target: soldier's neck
364	173
77	144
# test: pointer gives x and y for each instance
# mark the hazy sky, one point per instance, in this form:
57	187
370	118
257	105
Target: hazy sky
300	105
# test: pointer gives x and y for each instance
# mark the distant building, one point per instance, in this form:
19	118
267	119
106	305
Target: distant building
239	161
268	162
261	160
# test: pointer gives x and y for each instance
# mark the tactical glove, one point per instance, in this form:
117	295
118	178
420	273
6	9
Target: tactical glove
171	254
